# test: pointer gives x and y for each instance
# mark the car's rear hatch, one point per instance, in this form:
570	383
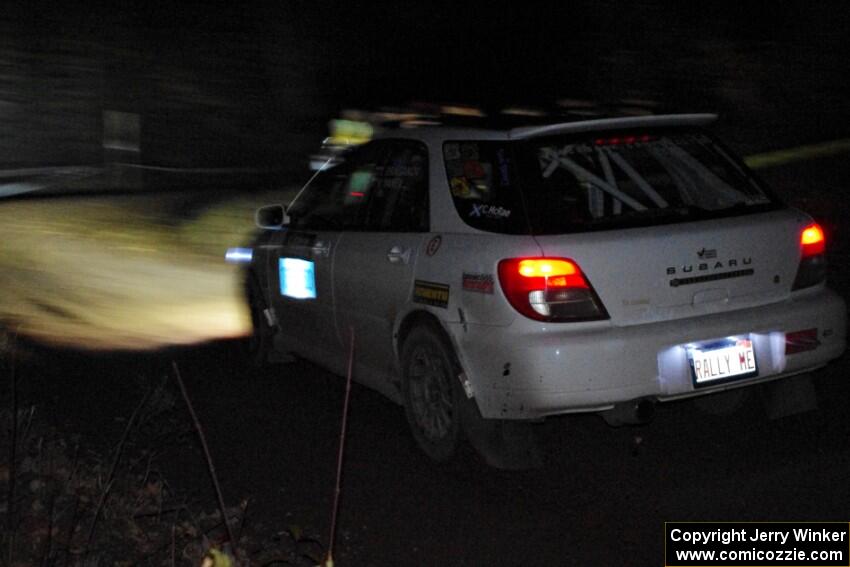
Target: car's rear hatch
677	270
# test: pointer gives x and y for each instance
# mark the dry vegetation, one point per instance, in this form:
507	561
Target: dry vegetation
67	502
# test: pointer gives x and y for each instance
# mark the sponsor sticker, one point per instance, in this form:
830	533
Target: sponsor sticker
489	211
433	245
481	283
431	293
460	187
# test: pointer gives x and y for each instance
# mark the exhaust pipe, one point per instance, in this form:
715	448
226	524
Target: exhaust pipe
632	412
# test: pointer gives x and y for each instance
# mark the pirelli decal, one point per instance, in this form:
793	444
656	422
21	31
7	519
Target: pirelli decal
482	283
431	293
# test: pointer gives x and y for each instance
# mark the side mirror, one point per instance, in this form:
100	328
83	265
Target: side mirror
271	217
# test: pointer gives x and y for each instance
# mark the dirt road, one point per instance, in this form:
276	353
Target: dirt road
116	273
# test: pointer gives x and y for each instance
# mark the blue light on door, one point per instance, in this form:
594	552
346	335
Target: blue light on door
297	278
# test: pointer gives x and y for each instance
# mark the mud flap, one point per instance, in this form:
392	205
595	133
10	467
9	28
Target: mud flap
790	396
504	444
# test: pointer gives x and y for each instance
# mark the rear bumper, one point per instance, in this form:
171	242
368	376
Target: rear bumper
527	371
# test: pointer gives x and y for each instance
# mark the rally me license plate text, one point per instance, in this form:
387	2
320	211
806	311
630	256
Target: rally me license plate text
722	360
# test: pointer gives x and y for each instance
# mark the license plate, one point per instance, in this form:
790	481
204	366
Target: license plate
718	361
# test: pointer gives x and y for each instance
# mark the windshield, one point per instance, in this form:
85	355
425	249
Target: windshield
615	180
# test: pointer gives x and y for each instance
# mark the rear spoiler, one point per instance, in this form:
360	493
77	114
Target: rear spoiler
612	124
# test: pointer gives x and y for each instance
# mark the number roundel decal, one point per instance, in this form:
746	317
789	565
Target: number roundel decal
433	245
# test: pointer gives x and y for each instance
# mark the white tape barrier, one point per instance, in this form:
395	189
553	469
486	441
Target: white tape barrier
41	178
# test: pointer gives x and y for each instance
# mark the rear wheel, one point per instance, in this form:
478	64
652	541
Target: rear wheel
440	414
432	393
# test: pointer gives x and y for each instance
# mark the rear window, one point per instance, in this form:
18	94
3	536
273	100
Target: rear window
617	180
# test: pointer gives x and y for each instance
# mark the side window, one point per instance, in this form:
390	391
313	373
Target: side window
335	199
484	183
399	201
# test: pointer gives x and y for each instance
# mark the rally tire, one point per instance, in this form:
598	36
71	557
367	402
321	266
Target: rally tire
432	395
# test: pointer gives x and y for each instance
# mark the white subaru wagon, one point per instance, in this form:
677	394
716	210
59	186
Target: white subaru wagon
491	277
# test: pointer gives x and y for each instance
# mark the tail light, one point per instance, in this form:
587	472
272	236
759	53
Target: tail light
812	269
549	289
